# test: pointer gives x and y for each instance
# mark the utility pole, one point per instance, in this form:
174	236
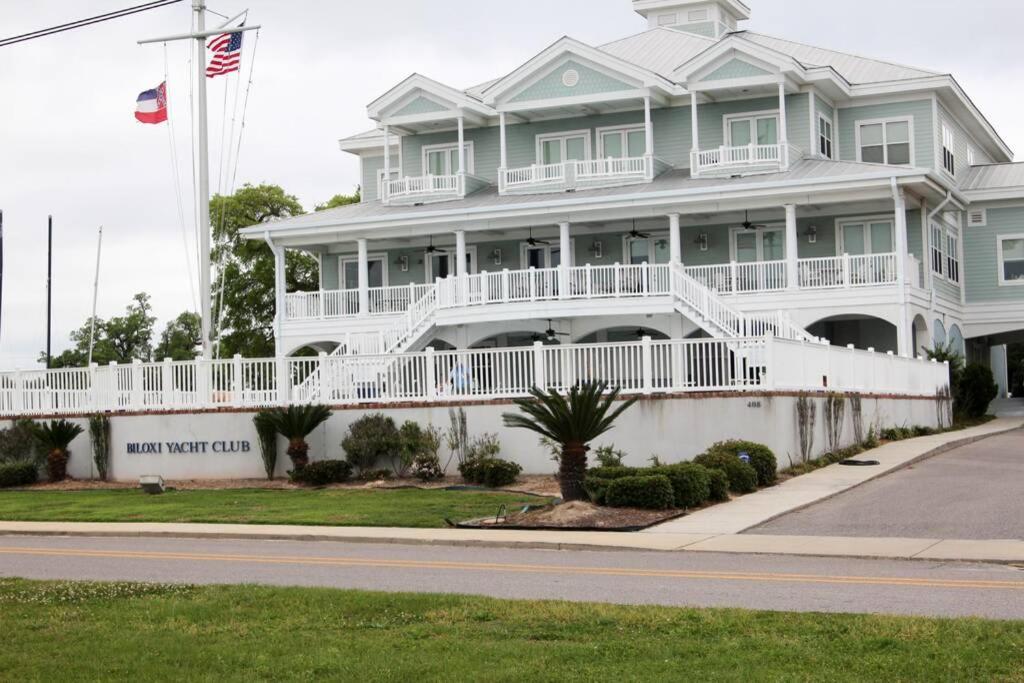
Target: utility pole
49	286
199	36
1	263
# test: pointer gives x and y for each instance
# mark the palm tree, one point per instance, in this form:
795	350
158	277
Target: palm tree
572	423
55	437
295	423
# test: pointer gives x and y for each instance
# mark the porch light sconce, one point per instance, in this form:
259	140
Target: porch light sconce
496	257
403	263
812	234
702	241
597	249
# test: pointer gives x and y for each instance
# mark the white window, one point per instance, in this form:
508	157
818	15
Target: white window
620	143
866	236
953	258
697	15
1011	259
559	147
885	142
543	255
666	20
948	158
376	266
761	129
444	159
653	249
765	244
825	137
936	249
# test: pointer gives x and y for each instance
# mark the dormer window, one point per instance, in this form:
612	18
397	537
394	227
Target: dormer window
825	137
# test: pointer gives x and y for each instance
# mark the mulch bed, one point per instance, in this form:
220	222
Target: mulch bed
578	516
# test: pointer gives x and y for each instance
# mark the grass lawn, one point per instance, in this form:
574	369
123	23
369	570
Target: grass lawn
86	631
328	507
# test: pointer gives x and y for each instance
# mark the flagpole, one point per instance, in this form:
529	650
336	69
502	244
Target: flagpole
203	189
95	294
49	286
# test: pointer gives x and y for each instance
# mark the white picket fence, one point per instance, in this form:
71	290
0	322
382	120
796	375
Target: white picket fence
642	367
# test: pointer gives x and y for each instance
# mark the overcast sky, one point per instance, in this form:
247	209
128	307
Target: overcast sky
69	145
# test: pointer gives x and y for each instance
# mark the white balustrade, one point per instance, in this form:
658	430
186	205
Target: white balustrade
738	157
834	272
423	187
577	174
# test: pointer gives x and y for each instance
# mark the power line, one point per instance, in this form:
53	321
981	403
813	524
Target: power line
88	21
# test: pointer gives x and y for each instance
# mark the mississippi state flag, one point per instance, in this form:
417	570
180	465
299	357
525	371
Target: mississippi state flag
151	107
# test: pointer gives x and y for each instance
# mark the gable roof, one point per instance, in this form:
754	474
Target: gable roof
660	49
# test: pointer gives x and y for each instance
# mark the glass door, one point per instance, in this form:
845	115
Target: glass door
556	149
350	272
866	237
764	130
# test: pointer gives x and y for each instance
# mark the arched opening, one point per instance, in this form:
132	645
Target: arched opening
956	340
439	345
312	349
920	336
939	336
863	331
621	334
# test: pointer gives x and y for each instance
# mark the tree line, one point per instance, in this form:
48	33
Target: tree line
245	270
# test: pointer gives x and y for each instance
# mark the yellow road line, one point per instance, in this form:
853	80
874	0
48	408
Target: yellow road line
342	562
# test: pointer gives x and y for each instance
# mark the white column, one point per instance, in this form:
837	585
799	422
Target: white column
364	279
675	240
460	252
279	292
792	245
462	145
504	147
903	337
783	128
648	126
387	153
565	245
695	145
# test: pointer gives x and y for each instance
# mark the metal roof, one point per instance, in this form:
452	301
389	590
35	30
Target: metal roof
660	50
994	176
673	181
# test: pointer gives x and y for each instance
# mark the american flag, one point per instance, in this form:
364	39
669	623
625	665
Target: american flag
227	53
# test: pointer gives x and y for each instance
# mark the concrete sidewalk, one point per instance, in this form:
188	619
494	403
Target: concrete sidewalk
757	508
1009	551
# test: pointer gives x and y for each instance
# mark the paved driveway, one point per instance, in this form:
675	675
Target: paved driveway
973	492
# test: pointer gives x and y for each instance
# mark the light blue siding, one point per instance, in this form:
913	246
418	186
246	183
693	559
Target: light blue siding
371	167
735	68
981	256
711	118
591	81
920	112
420	105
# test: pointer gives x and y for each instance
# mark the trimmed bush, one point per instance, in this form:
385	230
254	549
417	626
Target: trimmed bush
718	485
371	439
427	467
613	472
322	473
490	472
976	391
18	474
650	493
597	489
690	483
761	458
742	477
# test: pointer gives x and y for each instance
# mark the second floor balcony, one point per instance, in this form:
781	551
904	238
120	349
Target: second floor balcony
727	160
430	188
580	175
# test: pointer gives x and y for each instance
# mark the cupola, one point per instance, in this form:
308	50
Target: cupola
711	18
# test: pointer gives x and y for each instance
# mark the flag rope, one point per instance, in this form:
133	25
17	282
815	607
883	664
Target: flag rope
179	196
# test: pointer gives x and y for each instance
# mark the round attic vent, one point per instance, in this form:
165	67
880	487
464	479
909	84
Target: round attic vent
571	78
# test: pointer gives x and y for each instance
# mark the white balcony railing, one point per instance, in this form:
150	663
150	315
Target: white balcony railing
424	188
744	157
836	272
344	303
741	278
570	175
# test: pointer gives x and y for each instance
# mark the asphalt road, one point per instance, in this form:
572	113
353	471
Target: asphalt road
681	579
974	492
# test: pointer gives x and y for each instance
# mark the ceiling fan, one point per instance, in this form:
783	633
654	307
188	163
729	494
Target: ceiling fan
431	249
747	225
636	234
536	242
550	334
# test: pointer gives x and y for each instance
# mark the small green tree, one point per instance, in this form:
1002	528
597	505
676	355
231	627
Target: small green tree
99	435
295	423
54	437
572	421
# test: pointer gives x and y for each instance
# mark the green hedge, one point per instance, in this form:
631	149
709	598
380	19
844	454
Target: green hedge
18	474
650	493
322	473
718	484
761	458
742	477
490	472
690	483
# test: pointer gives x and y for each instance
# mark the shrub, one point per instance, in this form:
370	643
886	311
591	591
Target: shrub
322	473
718	485
99	435
18	443
295	423
18	474
976	391
614	472
370	439
690	484
742	477
54	437
650	493
609	456
923	431
266	433
597	488
761	458
871	441
490	472
896	433
376	475
484	447
427	467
